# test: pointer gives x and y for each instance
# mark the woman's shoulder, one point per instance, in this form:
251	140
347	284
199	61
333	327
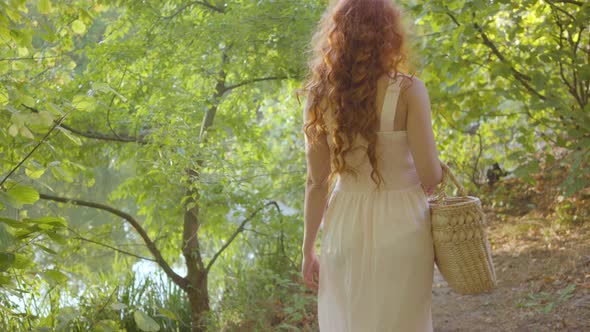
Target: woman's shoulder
411	87
409	82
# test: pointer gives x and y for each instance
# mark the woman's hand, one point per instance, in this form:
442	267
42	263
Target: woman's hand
311	271
428	191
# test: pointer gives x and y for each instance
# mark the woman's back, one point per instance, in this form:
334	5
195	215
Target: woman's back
393	152
397	146
377	259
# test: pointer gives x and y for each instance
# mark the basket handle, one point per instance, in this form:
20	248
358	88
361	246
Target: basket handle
440	191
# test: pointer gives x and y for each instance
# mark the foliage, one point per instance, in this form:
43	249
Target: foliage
510	80
126	90
119	119
271	299
152	303
546	301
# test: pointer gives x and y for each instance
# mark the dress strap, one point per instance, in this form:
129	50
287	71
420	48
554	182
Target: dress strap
389	106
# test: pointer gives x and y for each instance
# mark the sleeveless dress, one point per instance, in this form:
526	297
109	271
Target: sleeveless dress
377	256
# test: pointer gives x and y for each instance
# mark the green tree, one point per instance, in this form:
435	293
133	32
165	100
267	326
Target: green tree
168	93
165	131
510	82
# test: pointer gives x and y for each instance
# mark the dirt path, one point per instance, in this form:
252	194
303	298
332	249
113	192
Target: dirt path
543	272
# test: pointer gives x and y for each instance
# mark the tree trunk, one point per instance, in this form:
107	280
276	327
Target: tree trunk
197	291
199	301
198	294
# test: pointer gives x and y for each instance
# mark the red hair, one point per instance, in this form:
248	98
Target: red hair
356	43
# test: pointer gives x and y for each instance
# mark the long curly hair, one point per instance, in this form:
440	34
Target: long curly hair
356	43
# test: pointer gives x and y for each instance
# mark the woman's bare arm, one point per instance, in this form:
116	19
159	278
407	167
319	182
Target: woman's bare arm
421	135
316	189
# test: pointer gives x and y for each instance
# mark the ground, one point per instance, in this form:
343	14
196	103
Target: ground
541	252
543	272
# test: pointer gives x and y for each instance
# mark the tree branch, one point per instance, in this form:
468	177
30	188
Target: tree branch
572	86
95	135
236	232
104	137
190	4
577	3
515	73
220	90
177	279
31	58
70	52
552	5
271	78
522	78
474	173
81	238
453	18
111	105
581	82
55	125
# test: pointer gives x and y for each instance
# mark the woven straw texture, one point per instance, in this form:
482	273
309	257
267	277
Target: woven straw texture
461	248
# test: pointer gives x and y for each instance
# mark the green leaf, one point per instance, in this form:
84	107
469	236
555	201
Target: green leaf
5	33
56	221
62	174
3	95
7	240
70	136
567	292
25	132
27	100
45	118
4	280
57	238
78	27
23	194
573	183
55	276
46	249
22	262
84	103
44	6
55	109
103	87
6	260
23	51
13	130
44	227
13	223
118	306
167	313
25	233
145	322
106	325
524	171
547	308
34	174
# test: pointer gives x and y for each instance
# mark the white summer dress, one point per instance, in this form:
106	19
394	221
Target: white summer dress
377	256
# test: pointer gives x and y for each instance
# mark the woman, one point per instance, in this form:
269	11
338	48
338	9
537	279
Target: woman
368	127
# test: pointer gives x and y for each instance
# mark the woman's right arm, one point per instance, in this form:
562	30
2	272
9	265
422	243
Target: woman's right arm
421	135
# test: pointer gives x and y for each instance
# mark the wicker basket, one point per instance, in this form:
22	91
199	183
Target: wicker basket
461	248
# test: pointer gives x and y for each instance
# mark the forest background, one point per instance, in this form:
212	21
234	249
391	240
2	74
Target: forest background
152	166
